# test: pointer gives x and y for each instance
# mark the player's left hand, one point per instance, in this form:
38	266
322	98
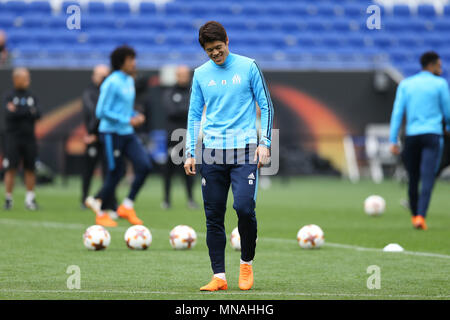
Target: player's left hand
137	120
262	155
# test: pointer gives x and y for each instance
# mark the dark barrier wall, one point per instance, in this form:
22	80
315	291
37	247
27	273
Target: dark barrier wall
313	111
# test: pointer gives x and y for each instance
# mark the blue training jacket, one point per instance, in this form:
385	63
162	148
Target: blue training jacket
229	92
115	105
425	99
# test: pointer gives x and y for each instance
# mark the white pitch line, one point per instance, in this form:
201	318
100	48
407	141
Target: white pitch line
77	226
253	293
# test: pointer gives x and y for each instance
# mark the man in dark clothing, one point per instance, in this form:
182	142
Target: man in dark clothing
21	112
94	149
176	103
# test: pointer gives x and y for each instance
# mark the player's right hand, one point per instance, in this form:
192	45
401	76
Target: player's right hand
189	167
395	149
11	107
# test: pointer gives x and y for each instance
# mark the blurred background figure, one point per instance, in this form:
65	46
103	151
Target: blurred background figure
4	61
94	149
21	113
175	101
424	99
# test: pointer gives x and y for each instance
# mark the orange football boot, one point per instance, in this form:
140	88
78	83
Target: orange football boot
245	277
419	223
105	220
215	285
129	214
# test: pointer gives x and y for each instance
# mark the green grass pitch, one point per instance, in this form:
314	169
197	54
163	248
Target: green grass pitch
36	248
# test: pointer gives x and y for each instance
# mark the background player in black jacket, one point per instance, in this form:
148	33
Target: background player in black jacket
94	150
93	154
176	103
21	112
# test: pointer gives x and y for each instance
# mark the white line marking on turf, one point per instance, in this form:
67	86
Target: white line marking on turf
310	294
63	225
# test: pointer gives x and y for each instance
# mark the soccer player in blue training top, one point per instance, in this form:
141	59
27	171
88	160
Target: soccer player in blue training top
229	85
425	99
117	119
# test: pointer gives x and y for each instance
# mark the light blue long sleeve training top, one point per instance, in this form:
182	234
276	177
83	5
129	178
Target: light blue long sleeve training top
115	105
425	99
229	92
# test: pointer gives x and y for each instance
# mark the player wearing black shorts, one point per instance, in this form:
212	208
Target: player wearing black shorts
21	112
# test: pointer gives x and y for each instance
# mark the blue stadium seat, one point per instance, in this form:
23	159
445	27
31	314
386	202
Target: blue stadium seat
307	40
355	40
326	10
147	8
434	41
318	24
396	25
175	8
447	10
32	51
401	10
41	7
293	25
18	37
96	8
16	7
35	21
298	9
426	11
275	40
409	40
6	21
252	9
120	8
96	22
442	25
383	40
341	25
276	9
45	37
332	41
355	10
267	24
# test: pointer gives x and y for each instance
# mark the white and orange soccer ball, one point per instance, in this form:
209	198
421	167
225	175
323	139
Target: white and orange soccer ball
138	237
235	239
96	238
183	237
310	237
374	205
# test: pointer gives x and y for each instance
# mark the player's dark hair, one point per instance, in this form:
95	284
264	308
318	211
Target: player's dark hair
211	31
428	58
119	55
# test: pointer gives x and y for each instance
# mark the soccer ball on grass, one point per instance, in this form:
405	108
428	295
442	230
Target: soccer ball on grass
374	205
138	237
96	238
310	237
183	237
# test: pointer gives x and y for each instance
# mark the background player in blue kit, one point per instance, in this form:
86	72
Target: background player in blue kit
229	85
117	119
425	99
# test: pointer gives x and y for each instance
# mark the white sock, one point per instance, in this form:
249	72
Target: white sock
128	203
247	262
8	196
29	196
220	276
100	213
